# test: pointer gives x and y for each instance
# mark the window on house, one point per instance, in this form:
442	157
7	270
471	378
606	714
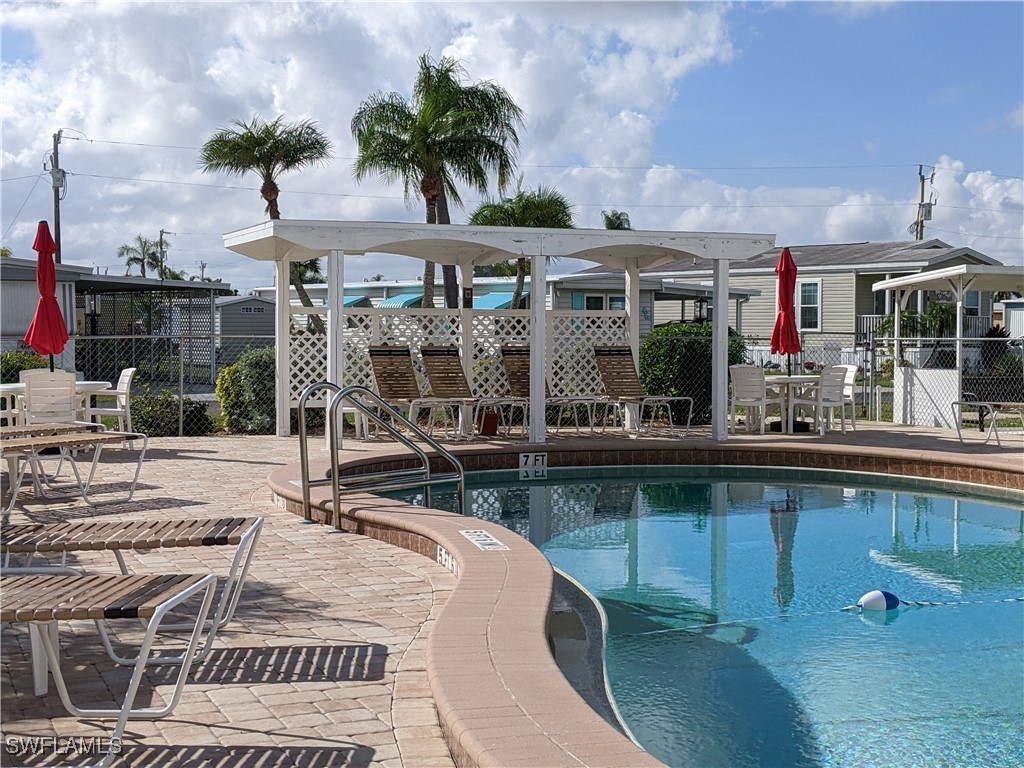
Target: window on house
617	303
808	305
594	303
972	303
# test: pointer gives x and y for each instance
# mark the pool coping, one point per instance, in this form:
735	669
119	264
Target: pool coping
500	698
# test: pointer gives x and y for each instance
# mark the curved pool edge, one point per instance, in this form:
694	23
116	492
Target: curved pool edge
500	697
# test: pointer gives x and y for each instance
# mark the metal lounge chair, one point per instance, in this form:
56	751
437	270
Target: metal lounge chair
624	390
442	366
28	540
24	445
41	600
395	380
515	359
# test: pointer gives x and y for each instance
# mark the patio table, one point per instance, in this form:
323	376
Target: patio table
789	386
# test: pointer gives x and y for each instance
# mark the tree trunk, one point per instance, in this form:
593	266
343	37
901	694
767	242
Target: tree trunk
430	196
517	294
270	191
448	271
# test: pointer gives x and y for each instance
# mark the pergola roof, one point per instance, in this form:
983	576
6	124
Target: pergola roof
296	240
969	277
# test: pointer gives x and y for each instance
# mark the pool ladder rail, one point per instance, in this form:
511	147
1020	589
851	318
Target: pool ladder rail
370	406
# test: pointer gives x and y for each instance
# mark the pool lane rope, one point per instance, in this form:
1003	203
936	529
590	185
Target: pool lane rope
877	600
880	600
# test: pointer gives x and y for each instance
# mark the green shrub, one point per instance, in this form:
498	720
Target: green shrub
157	415
675	361
13	363
229	395
246	394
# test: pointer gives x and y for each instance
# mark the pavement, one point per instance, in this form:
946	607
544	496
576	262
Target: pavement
324	663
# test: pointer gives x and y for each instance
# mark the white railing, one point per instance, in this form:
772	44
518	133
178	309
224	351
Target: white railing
974	326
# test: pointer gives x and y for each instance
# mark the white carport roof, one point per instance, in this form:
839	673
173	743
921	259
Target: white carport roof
296	240
963	277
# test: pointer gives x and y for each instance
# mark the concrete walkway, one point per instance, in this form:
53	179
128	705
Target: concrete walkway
322	666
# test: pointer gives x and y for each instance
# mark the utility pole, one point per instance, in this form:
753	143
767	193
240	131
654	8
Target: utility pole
924	210
57	180
920	206
202	270
163	256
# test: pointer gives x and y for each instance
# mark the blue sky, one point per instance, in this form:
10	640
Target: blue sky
803	120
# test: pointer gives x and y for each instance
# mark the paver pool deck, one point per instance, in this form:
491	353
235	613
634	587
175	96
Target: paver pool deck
326	662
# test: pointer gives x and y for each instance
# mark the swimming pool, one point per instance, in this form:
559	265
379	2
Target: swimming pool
726	644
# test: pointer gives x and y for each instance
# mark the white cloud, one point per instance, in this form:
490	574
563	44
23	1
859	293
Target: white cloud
596	81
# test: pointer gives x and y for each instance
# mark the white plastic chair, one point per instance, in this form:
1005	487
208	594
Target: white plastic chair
122	406
849	396
824	397
750	390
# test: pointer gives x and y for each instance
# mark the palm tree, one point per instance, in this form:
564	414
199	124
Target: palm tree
616	219
268	149
142	253
448	132
543	207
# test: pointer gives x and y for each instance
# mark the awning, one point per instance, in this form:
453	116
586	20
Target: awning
356	301
404	301
495	300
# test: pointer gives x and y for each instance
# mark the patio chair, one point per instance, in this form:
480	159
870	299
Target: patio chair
442	367
624	389
515	359
824	398
25	447
395	381
849	391
43	599
122	405
32	540
750	390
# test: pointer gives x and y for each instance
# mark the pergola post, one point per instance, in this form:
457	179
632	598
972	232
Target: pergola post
466	320
720	350
538	345
282	346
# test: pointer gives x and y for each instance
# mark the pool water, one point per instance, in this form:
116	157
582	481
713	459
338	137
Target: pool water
727	645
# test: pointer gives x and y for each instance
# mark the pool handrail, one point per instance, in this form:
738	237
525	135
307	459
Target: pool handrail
373	482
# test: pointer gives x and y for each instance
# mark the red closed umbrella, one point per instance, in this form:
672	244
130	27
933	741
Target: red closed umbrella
47	334
785	334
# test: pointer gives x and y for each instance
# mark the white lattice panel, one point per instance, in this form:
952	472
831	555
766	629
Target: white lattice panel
490	330
572	369
308	366
571	338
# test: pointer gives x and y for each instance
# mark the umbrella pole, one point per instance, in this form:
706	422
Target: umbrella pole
51	363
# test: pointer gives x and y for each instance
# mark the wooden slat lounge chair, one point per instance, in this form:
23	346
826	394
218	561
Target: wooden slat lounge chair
41	600
30	539
23	447
395	381
516	360
442	366
623	387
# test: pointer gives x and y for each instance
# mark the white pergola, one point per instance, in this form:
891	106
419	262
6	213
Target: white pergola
958	280
283	241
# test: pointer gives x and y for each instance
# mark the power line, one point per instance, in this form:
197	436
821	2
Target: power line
969	234
630	167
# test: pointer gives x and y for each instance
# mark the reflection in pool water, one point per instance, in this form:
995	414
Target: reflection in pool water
726	642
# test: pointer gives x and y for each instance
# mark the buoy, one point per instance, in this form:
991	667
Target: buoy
877	600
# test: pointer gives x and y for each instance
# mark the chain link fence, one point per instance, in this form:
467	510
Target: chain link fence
175	386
